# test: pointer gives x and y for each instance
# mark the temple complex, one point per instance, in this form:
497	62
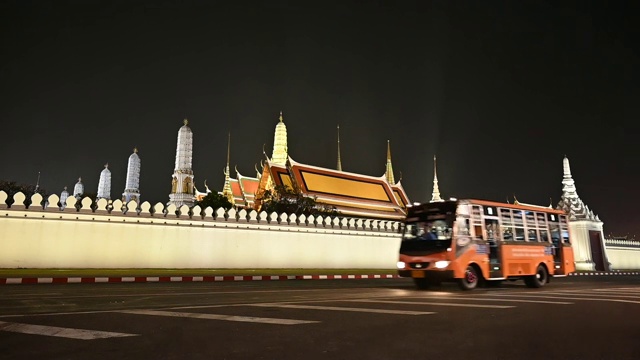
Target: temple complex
182	190
350	194
131	189
104	185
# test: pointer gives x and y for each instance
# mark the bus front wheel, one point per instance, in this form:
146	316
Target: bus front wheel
538	280
470	280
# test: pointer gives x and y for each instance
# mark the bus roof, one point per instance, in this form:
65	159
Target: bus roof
518	206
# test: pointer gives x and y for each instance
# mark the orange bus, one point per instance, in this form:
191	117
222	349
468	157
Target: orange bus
478	242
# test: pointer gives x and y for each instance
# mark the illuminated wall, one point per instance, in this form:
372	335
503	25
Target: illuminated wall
51	238
623	254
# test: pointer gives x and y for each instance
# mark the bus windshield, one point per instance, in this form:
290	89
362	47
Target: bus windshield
427	230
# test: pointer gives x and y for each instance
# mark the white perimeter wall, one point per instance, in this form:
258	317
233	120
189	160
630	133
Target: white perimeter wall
69	239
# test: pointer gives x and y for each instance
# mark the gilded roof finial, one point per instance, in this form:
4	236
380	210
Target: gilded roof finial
435	194
515	199
280	115
228	148
339	160
388	150
389	171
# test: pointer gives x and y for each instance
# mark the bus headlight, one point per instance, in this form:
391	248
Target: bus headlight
401	264
442	264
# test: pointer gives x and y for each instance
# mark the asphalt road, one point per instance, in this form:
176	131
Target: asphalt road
595	317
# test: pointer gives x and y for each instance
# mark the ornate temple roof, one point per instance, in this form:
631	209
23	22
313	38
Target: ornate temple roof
570	201
351	194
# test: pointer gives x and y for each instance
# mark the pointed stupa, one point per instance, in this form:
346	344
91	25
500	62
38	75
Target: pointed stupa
226	189
435	195
339	167
182	190
280	150
132	186
570	201
78	189
104	185
64	195
389	171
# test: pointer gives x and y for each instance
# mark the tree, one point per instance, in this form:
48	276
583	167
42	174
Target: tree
12	188
282	199
215	201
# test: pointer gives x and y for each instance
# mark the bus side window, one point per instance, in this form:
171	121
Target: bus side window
492	230
507	233
555	234
478	232
532	235
544	235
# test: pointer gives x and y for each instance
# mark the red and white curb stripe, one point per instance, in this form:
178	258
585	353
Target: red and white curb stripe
145	279
605	273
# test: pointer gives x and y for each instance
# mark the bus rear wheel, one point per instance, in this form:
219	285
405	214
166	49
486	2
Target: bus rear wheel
470	279
538	280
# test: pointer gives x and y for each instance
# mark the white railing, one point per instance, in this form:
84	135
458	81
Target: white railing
146	210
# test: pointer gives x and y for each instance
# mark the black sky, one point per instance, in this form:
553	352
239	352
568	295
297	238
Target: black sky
500	91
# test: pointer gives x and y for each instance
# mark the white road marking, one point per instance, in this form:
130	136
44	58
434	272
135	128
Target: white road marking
219	317
569	298
338	308
581	293
70	333
433	303
503	300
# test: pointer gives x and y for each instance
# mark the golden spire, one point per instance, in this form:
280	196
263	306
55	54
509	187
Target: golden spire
280	152
389	172
228	148
226	189
435	195
339	161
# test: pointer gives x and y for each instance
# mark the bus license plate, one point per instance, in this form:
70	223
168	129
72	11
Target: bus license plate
417	273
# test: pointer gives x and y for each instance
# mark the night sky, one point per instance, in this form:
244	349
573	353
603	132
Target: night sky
500	92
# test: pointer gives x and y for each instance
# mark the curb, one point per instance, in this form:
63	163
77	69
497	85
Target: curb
152	279
606	273
147	279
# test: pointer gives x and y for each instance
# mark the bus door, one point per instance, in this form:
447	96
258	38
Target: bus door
563	258
495	251
560	247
